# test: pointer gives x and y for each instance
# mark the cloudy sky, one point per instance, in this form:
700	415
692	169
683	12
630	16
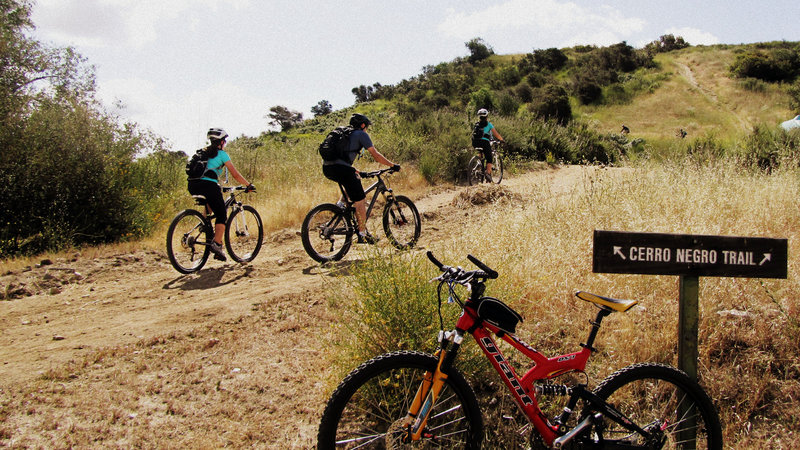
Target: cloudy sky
179	67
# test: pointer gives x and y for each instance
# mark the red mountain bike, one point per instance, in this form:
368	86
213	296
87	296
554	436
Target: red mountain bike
412	399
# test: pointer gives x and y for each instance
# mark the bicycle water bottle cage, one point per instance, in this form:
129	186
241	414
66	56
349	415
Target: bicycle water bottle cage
498	314
199	199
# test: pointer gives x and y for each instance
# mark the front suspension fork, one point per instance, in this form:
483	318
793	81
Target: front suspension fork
431	386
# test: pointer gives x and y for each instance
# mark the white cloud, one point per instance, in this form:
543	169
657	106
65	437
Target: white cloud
185	118
129	23
543	23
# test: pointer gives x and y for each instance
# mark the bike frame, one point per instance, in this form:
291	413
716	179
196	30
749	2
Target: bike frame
495	152
522	387
378	186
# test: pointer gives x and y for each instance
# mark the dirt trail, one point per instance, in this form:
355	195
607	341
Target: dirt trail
68	309
710	95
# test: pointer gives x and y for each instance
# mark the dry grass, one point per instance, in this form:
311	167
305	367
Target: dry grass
543	248
699	97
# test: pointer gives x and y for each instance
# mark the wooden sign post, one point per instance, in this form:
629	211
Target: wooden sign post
689	257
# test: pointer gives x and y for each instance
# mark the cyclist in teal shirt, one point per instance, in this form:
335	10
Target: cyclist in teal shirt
208	186
484	143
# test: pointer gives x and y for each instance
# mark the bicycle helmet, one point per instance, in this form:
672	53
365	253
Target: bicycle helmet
483	112
357	119
216	134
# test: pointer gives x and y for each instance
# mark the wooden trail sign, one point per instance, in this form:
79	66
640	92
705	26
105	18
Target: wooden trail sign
690	257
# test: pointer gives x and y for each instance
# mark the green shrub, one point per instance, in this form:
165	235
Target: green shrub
552	103
776	64
388	305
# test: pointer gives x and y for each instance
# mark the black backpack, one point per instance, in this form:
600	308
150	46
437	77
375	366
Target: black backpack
336	144
198	165
477	134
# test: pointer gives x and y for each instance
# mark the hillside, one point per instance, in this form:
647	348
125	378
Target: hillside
698	96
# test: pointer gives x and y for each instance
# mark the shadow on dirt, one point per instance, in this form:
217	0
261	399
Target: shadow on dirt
210	278
333	269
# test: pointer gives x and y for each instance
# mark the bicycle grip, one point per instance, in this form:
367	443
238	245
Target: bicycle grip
490	273
433	259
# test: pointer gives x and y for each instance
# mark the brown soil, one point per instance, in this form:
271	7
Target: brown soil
123	351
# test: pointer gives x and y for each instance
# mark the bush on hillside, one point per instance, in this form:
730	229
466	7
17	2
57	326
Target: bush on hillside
479	50
586	89
666	43
67	175
794	96
548	60
552	103
768	148
776	64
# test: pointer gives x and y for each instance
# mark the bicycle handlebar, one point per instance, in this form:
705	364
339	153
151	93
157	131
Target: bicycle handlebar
457	273
376	173
233	188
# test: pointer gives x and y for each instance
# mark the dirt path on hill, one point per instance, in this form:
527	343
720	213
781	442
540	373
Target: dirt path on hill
709	94
107	351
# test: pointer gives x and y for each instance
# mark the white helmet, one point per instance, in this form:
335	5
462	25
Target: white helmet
216	134
483	112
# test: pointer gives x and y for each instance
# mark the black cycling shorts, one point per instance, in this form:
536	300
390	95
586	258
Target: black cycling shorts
214	200
347	177
486	149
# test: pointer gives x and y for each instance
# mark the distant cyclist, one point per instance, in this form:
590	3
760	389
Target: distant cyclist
482	137
343	172
208	185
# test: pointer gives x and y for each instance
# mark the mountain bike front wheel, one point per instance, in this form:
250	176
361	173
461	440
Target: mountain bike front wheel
244	234
475	172
497	169
367	408
401	222
326	233
666	403
188	237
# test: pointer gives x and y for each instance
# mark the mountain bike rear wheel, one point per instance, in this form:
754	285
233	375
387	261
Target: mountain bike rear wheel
366	409
401	222
663	401
326	233
187	239
244	233
475	172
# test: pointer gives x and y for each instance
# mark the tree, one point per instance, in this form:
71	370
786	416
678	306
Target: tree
322	108
283	117
666	43
67	170
552	103
478	50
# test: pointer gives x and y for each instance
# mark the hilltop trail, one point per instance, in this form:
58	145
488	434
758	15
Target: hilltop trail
710	94
71	309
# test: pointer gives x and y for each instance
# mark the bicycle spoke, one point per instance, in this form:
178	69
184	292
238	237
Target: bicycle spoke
244	234
186	241
326	234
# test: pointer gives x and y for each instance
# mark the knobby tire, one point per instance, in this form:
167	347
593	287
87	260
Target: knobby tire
376	396
187	238
244	234
659	396
326	233
401	222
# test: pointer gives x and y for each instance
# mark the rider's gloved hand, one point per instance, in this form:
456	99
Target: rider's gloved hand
396	168
250	188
